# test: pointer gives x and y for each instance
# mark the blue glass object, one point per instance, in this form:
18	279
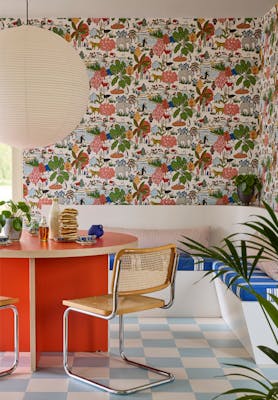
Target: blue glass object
96	230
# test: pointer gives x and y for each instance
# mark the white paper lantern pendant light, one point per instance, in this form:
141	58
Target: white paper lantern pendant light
44	87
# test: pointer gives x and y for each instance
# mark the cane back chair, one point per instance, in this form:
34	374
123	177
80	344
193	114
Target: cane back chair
8	303
136	272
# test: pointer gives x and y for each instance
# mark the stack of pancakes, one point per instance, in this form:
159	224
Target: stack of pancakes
68	224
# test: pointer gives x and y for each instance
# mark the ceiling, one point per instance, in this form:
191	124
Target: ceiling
136	8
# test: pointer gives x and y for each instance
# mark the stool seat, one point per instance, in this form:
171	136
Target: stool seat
7	301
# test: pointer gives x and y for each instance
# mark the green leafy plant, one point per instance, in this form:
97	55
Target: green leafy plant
234	255
14	211
247	183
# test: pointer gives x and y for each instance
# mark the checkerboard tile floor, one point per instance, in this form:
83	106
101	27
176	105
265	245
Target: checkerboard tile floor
195	350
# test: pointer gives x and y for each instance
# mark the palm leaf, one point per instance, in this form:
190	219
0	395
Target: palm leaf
270	353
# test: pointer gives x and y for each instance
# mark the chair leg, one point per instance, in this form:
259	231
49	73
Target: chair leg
168	375
16	346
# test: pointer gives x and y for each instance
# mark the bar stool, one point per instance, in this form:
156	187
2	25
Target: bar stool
5	303
136	272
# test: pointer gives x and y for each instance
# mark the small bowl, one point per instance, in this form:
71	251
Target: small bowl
86	238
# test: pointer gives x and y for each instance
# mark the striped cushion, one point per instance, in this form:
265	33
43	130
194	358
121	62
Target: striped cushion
260	282
185	263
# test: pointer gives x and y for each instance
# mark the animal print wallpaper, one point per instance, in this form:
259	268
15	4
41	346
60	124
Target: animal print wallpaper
172	116
268	163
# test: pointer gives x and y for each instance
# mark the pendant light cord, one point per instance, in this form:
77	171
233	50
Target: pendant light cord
27	12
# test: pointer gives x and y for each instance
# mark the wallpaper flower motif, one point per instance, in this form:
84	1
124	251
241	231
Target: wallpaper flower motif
172	115
268	162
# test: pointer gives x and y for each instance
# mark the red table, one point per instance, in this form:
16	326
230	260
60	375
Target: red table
41	275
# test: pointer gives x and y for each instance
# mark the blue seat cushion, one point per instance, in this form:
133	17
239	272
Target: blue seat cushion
260	282
185	263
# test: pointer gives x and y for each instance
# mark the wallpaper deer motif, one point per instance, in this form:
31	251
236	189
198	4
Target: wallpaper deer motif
172	115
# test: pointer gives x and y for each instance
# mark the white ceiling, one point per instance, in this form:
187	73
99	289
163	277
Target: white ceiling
136	8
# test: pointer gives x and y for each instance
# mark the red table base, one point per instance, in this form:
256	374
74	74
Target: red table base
14	282
56	279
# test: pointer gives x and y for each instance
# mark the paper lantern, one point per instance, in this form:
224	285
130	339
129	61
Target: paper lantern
44	87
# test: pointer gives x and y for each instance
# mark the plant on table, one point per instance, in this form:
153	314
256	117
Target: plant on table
15	212
234	255
246	185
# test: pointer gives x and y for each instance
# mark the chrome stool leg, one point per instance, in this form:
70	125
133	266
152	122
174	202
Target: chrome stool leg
16	346
169	377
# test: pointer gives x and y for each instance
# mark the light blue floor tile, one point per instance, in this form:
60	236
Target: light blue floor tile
270	373
131	334
245	383
158	343
210	396
11	384
164	362
135	396
75	386
154	327
129	351
239	361
196	352
45	396
14	384
178	385
215	343
204	373
127	334
128	373
187	335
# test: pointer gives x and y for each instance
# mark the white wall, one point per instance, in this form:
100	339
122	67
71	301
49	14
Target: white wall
222	219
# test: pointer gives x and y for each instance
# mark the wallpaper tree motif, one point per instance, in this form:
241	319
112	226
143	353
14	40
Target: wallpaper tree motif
268	163
172	115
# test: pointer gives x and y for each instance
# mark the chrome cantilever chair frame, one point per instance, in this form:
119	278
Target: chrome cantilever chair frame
169	377
16	346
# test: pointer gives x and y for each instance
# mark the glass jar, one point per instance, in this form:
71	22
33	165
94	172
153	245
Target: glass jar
43	230
54	219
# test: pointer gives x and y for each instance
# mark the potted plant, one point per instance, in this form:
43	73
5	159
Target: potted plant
234	255
246	185
11	218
